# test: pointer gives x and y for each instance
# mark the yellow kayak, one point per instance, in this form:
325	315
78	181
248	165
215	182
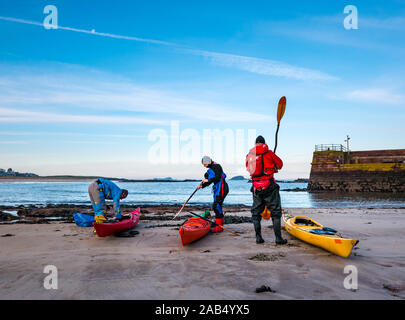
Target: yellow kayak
312	232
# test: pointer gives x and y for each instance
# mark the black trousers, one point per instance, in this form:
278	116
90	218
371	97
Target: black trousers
269	197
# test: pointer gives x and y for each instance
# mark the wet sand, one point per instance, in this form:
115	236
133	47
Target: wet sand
154	264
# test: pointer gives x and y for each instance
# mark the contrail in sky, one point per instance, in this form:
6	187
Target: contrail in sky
93	32
249	64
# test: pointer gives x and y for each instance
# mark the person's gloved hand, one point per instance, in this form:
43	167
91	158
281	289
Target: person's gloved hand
99	218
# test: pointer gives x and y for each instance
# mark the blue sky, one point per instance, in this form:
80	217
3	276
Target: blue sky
84	99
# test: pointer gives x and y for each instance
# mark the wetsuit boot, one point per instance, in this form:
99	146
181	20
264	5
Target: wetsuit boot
258	230
277	230
99	213
221	223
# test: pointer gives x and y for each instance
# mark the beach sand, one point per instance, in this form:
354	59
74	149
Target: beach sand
154	264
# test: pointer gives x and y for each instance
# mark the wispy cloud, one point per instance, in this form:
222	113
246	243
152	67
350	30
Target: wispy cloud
391	23
118	95
250	64
395	23
373	33
21	116
263	66
13	142
375	95
70	134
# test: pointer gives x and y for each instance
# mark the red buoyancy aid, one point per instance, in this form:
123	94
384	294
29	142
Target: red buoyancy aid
261	162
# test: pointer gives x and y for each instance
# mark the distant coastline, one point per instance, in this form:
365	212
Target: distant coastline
11	173
299	180
71	178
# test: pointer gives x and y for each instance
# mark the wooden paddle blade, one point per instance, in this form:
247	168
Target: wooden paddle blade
281	108
234	233
178	212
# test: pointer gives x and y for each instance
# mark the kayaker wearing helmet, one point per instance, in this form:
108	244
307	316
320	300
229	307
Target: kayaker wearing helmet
102	189
262	163
220	189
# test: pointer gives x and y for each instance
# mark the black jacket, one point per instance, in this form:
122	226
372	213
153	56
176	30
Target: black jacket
214	176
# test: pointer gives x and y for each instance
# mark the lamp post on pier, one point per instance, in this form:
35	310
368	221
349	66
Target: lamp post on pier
348	150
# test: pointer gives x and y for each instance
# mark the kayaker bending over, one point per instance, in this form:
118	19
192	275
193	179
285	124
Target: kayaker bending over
102	189
262	163
220	188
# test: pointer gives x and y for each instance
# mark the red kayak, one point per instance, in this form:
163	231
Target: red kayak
109	228
193	229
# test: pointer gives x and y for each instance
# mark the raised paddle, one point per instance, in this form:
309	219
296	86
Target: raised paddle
234	233
280	112
185	203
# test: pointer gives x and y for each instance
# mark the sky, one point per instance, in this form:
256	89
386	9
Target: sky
144	89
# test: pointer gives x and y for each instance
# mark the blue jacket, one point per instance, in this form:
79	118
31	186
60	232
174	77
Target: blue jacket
215	175
110	191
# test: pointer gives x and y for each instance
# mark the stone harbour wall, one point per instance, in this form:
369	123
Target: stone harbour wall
359	171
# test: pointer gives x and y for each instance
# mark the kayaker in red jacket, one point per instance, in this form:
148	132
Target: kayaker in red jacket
262	163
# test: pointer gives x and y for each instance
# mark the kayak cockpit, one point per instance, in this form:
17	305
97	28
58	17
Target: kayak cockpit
305	221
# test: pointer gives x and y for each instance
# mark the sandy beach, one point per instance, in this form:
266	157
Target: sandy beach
154	264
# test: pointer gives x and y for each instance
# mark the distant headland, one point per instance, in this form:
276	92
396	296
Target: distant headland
12	176
72	178
11	173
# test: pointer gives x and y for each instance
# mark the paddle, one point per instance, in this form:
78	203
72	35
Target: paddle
185	203
234	233
280	112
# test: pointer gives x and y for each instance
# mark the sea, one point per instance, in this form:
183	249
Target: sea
176	193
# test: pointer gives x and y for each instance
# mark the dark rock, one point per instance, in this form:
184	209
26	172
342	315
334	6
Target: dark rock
392	288
260	257
4	216
264	288
42	221
295	189
126	233
237	219
23	212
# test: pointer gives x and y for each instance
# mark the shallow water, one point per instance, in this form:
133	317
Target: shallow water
42	193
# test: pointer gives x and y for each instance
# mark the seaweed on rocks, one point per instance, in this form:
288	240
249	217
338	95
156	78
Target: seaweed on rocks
265	257
295	189
63	213
237	219
4	216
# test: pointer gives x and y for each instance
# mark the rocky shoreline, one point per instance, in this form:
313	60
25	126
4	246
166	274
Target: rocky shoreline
32	214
